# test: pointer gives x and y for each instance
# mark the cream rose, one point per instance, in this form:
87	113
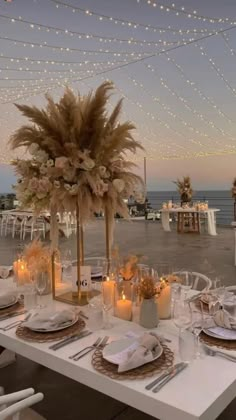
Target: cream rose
118	184
57	184
41	156
33	184
33	148
50	163
61	162
87	164
74	189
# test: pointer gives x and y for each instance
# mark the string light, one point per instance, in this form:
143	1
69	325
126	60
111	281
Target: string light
194	86
187	105
189	14
216	69
123	22
85	36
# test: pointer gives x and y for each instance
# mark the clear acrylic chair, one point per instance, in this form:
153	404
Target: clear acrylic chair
199	281
15	406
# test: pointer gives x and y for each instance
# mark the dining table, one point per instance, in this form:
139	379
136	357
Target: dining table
200	392
209	214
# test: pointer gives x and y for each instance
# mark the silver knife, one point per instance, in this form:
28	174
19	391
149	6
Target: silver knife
170	376
160	378
70	340
13	314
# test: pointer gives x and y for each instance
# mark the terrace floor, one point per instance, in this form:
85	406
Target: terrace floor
69	400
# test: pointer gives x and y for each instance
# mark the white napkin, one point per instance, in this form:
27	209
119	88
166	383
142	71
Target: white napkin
48	320
144	353
5	271
222	318
7	299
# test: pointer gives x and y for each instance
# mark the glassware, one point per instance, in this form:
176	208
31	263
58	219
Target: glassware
67	264
163	269
197	326
41	280
186	282
182	314
30	298
95	305
186	346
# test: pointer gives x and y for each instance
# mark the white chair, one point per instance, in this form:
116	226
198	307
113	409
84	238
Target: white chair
15	406
32	225
200	281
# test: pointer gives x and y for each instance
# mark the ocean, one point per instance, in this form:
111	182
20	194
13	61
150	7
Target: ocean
221	200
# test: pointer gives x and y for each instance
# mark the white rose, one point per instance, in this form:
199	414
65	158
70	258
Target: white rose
41	156
67	187
50	163
102	170
33	148
87	164
118	184
57	184
43	169
74	189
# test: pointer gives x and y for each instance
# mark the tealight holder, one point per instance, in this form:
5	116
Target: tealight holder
123	300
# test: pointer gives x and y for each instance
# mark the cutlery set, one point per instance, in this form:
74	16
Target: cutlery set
158	383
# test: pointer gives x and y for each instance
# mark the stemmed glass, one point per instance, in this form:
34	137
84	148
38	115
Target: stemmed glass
41	281
219	290
186	282
183	320
67	263
108	295
197	326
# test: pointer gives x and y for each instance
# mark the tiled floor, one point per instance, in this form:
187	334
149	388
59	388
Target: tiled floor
68	400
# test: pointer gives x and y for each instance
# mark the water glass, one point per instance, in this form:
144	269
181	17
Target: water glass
197	326
108	298
95	304
182	314
67	264
30	298
186	282
186	346
41	282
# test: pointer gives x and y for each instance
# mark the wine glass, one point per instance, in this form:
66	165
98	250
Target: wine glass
182	314
40	285
186	282
197	326
219	290
67	263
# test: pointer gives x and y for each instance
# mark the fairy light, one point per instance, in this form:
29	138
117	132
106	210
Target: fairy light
189	14
187	105
216	68
123	22
194	86
86	36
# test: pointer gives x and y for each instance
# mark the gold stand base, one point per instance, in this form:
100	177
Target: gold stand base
69	298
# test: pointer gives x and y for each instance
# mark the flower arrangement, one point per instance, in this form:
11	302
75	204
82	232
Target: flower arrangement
77	156
233	189
37	256
184	188
147	288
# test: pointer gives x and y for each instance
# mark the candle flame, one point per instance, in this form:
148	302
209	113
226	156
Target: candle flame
123	296
108	278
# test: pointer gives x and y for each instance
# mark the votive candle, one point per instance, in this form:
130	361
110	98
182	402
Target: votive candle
124	308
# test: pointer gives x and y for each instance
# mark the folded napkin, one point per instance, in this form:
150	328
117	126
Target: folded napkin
7	299
5	271
148	344
46	320
222	318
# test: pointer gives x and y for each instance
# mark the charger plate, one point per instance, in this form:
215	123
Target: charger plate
217	342
164	362
42	337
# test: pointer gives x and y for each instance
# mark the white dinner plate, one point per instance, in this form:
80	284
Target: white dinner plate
117	350
14	301
96	272
54	329
221	333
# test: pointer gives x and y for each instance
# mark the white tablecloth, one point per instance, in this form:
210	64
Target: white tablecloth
210	213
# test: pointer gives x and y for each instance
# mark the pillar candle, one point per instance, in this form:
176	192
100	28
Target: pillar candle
124	308
108	287
23	274
164	301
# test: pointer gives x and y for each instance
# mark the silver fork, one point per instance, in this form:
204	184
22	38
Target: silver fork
213	353
15	323
93	346
101	345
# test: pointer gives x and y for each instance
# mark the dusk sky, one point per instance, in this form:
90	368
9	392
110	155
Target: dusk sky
174	64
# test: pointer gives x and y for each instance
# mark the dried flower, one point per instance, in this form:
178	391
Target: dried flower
50	163
118	184
41	156
61	162
57	184
147	288
87	164
33	148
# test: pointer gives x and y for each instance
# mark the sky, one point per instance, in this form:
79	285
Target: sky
174	64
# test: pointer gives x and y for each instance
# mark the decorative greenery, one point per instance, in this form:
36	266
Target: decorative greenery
147	288
184	188
233	189
78	155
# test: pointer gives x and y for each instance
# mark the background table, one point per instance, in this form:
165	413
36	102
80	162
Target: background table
210	213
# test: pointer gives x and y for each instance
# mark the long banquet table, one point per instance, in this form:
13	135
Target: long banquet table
210	214
200	392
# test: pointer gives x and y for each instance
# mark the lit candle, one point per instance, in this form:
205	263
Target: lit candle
108	290
124	308
23	274
164	301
